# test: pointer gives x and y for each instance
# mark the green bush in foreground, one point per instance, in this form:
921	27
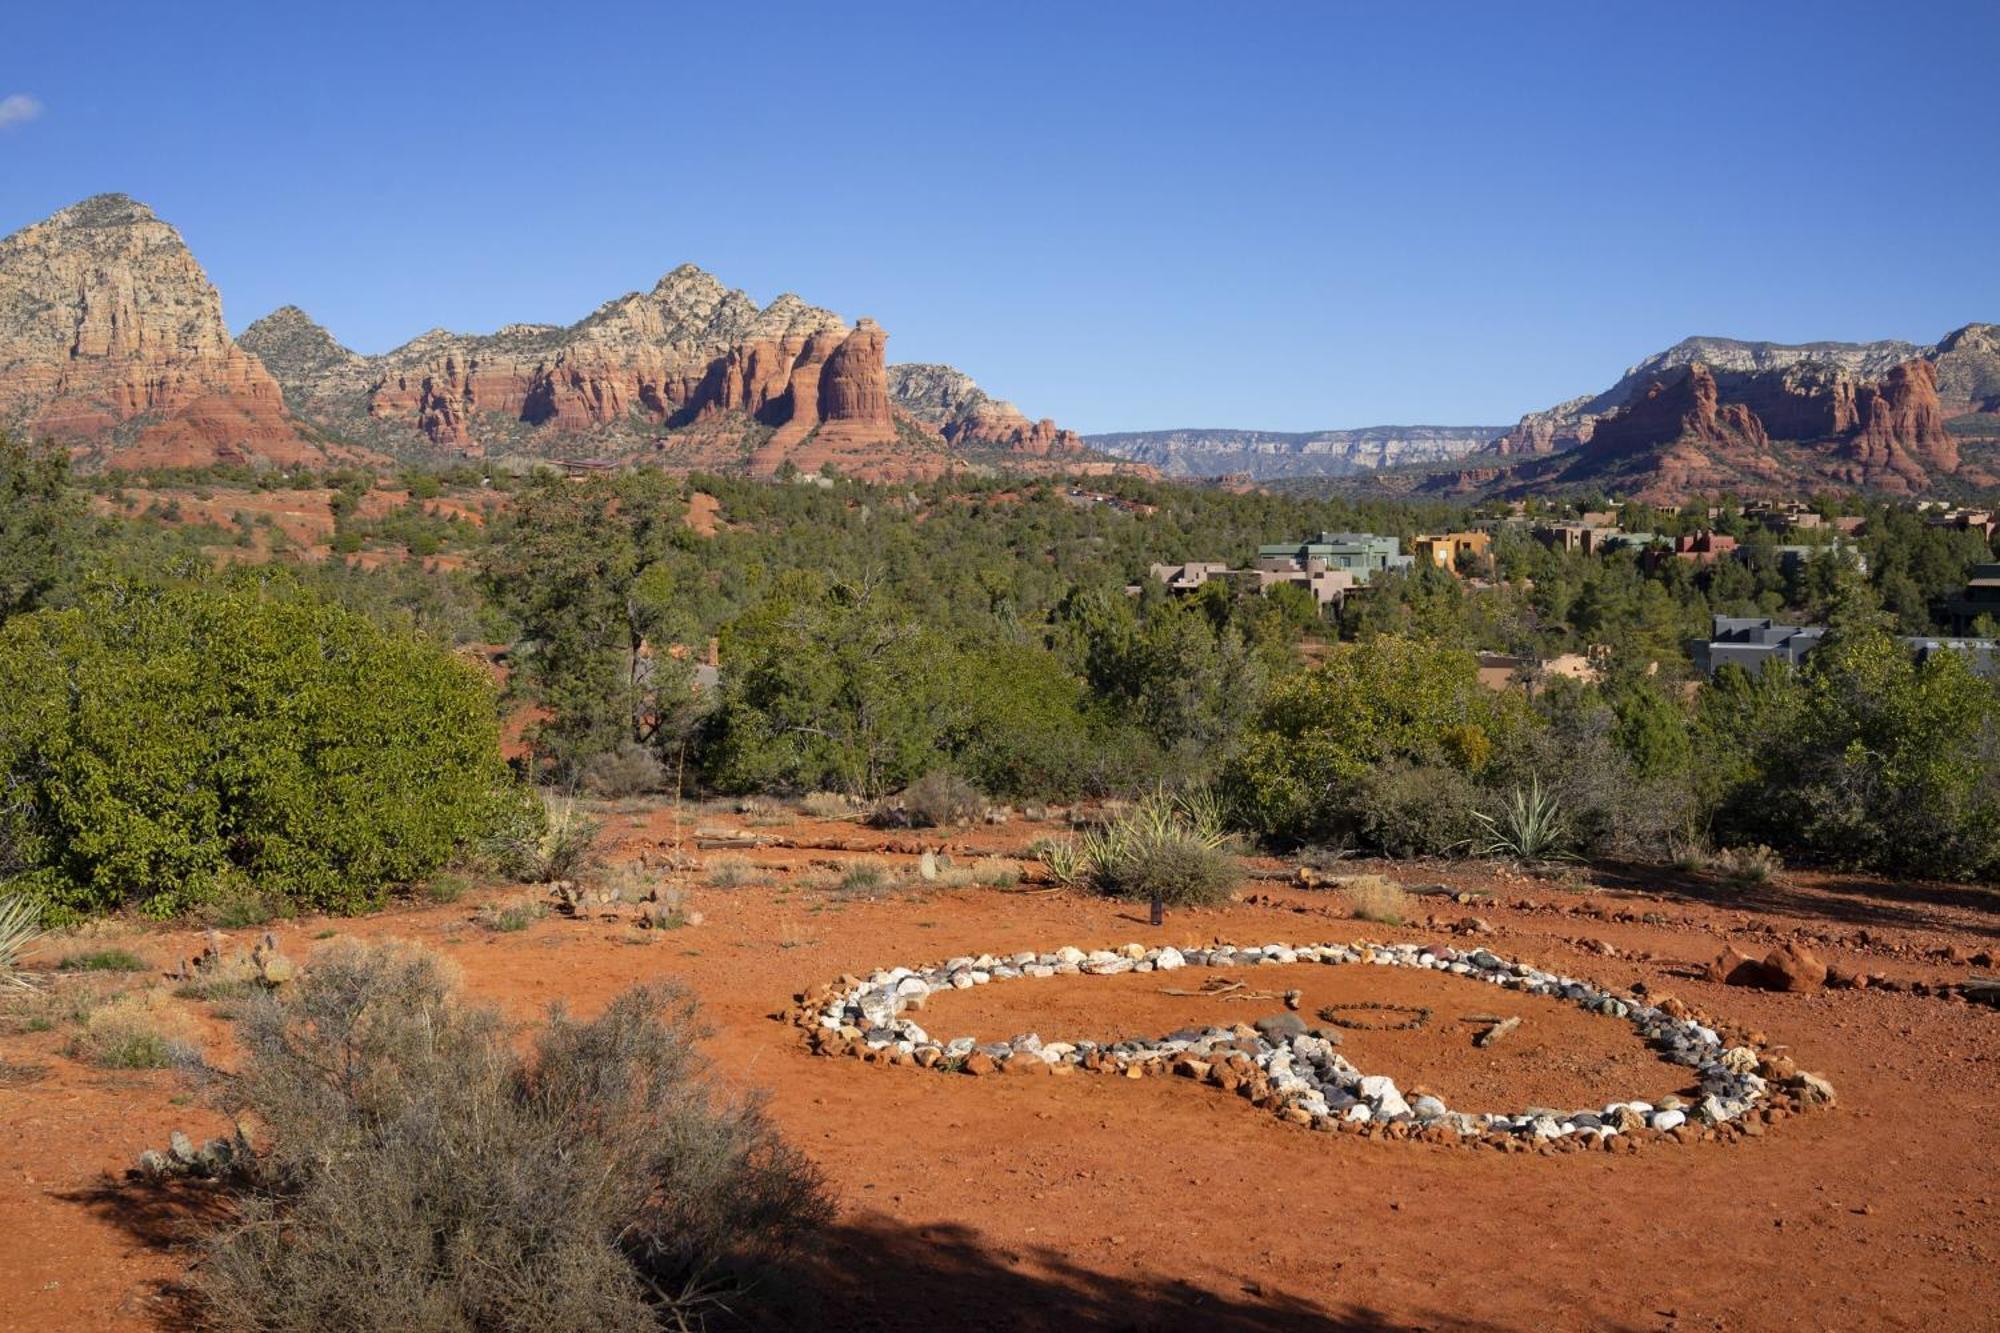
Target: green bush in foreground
419	1171
170	747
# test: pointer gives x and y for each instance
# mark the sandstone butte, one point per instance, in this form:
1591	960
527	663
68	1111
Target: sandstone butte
112	340
1758	418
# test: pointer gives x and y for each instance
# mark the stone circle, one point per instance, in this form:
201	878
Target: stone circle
1301	1076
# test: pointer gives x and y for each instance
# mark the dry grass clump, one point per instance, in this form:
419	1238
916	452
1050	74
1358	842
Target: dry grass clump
446	888
505	918
830	805
996	872
936	800
1755	864
629	770
416	1170
143	1031
734	871
1376	898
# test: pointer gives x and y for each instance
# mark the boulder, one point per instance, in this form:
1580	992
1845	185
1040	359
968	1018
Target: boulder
1792	967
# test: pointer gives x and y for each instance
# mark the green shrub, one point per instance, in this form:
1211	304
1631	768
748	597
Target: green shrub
418	1170
1323	731
175	742
103	960
1407	810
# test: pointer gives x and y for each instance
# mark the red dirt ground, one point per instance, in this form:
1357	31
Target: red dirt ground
1106	1202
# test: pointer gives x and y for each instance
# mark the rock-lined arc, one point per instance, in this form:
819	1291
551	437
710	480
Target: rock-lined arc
1302	1077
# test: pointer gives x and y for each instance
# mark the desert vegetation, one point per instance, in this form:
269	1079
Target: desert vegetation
596	1180
297	734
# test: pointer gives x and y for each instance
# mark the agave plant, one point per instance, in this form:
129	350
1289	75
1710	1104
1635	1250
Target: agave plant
1531	826
20	927
1065	860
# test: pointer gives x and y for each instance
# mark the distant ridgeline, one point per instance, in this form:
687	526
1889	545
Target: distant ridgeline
1706	416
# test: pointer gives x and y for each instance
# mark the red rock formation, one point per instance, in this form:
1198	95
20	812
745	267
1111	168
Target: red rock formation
1687	409
1902	424
111	338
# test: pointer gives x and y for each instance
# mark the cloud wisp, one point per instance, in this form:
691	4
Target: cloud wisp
18	109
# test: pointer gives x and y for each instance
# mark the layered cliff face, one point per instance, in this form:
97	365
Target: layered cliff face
1887	416
1968	370
950	403
1269	454
670	368
112	339
1572	423
1763	432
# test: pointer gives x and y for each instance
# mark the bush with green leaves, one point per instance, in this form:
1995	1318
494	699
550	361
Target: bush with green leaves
1323	732
1865	758
1410	810
415	1168
172	745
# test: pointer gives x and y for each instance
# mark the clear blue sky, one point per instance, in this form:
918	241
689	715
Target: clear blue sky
1124	215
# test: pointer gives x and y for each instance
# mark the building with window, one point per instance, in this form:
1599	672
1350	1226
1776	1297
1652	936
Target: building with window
1360	554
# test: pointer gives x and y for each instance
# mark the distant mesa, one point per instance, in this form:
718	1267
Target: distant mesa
1759	419
112	340
1266	455
1705	415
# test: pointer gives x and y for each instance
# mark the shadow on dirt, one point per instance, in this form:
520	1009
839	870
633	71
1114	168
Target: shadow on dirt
869	1275
879	1275
1854	901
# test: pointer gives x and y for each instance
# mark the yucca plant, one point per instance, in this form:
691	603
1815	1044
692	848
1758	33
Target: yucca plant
1064	860
1531	826
20	927
558	842
1170	847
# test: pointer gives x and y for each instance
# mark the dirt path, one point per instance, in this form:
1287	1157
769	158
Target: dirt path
1045	1203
